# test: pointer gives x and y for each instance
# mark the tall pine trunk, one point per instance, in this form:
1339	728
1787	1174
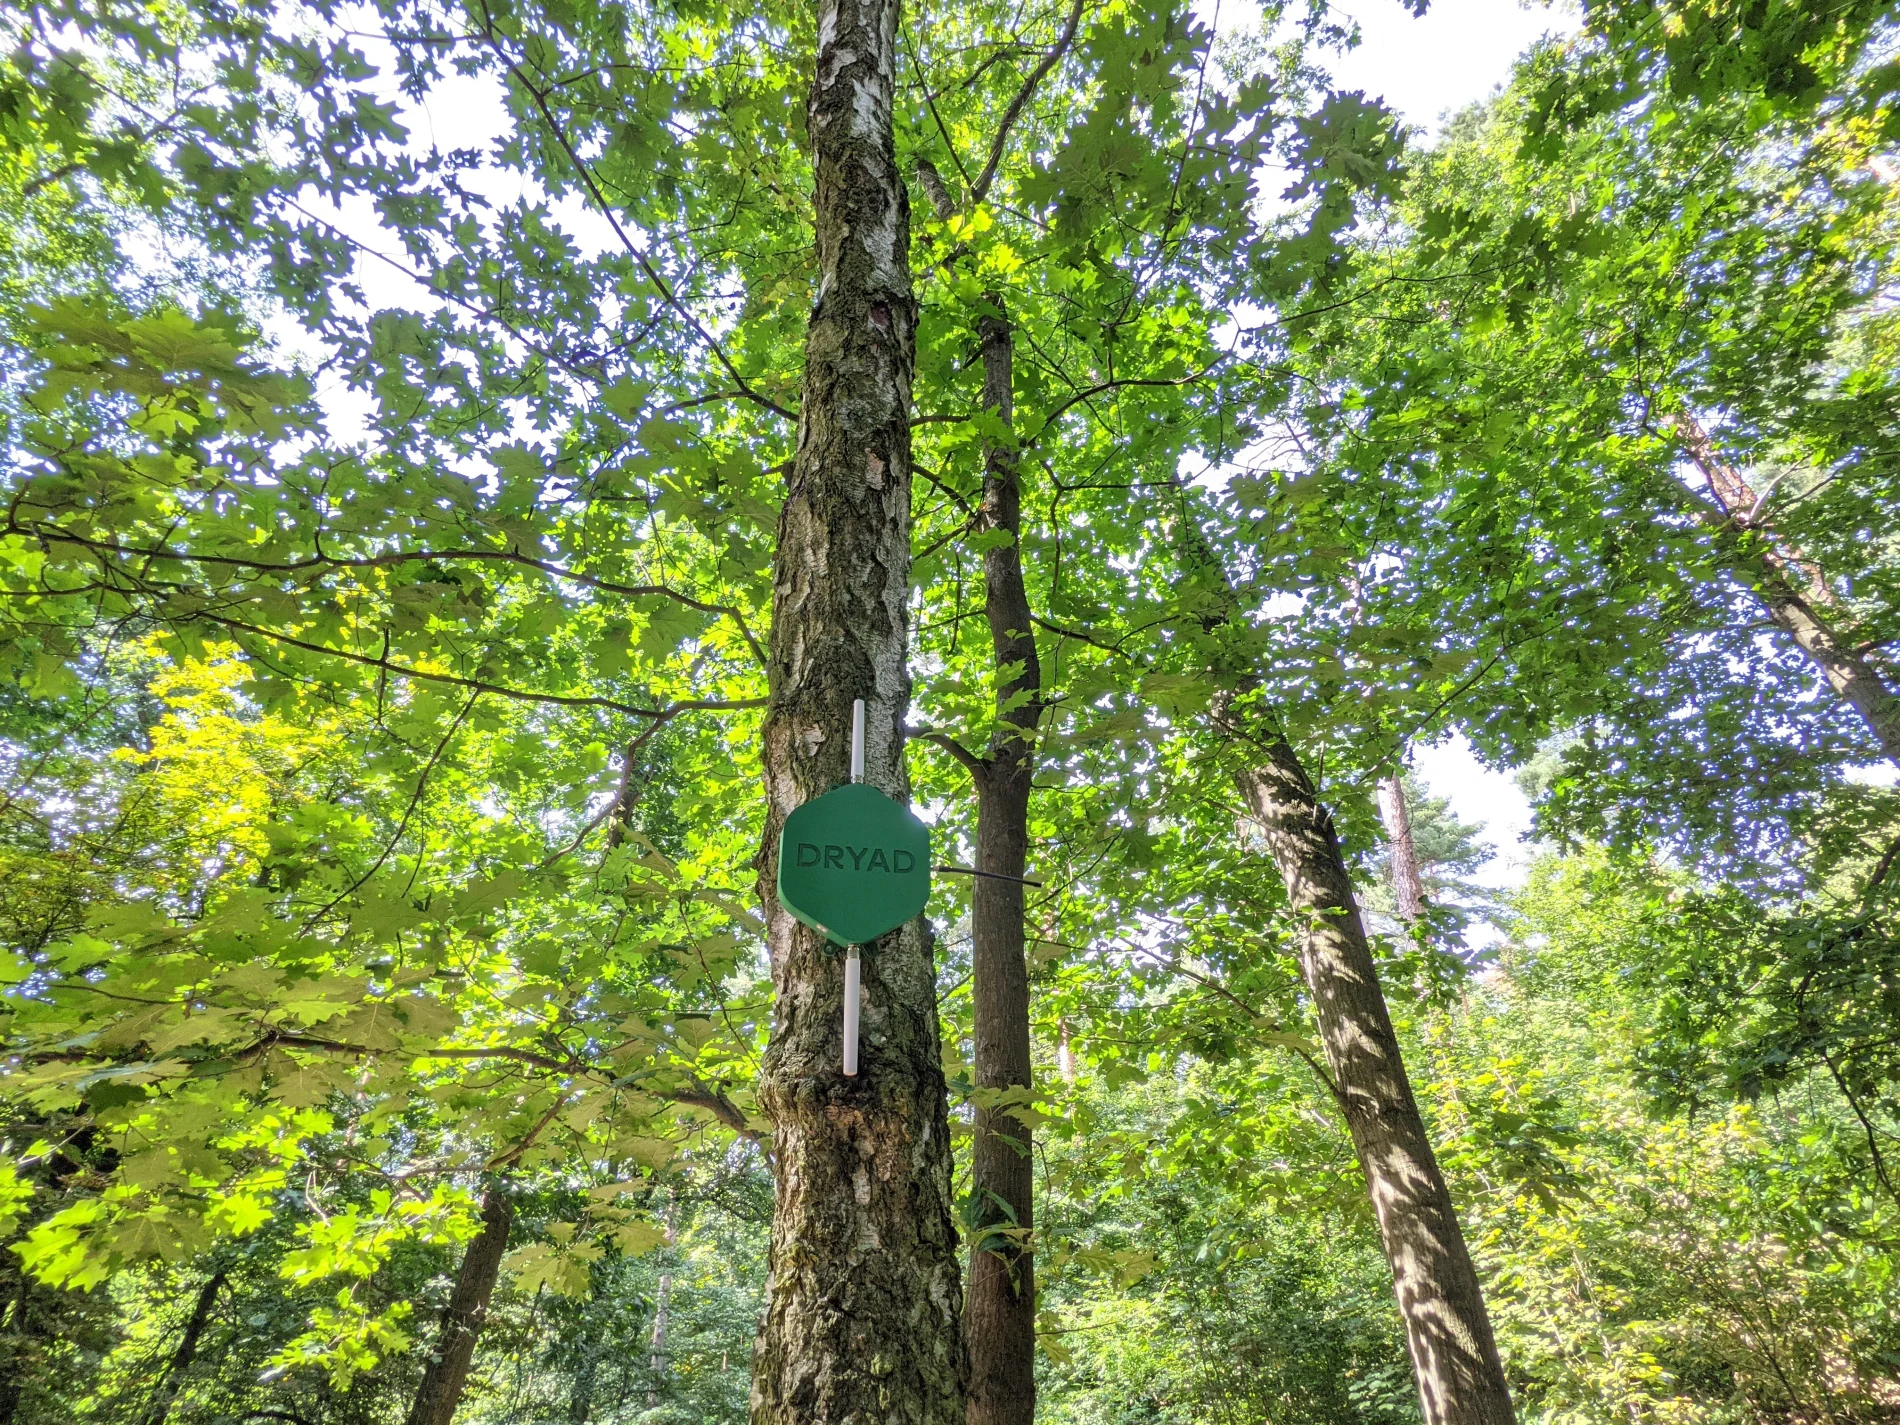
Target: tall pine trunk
1000	1316
1408	885
1447	1329
446	1375
864	1294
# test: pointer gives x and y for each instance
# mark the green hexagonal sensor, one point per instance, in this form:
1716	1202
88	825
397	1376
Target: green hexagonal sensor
853	864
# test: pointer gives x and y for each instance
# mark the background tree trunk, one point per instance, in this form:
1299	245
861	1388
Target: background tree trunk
179	1366
1447	1330
864	1293
1408	886
446	1375
580	1396
662	1306
1000	1315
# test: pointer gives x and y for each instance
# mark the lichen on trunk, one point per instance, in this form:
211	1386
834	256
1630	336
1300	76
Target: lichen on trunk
863	1298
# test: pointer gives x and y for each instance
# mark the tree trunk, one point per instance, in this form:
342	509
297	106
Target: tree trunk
1851	676
662	1308
580	1395
446	1374
19	1330
863	1296
1447	1330
999	1319
1750	552
999	1315
1408	886
180	1364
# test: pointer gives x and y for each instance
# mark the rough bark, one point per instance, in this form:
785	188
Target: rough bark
863	1298
1776	578
1408	886
176	1369
999	1318
446	1375
1447	1329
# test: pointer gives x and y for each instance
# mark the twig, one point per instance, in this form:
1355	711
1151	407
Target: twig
586	175
978	767
402	827
988	875
521	695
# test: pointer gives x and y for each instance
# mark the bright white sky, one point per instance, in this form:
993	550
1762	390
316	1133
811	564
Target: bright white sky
1460	52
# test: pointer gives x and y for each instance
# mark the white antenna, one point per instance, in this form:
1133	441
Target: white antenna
852	965
851	1012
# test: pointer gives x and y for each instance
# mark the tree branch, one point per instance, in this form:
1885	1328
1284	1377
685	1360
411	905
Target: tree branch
586	175
980	188
290	568
978	766
520	695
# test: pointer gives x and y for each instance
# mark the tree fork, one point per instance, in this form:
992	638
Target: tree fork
446	1375
864	1296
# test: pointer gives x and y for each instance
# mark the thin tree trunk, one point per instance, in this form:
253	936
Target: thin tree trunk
1447	1329
446	1375
999	1314
999	1319
864	1294
180	1364
1774	578
662	1307
580	1396
1408	886
19	1330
